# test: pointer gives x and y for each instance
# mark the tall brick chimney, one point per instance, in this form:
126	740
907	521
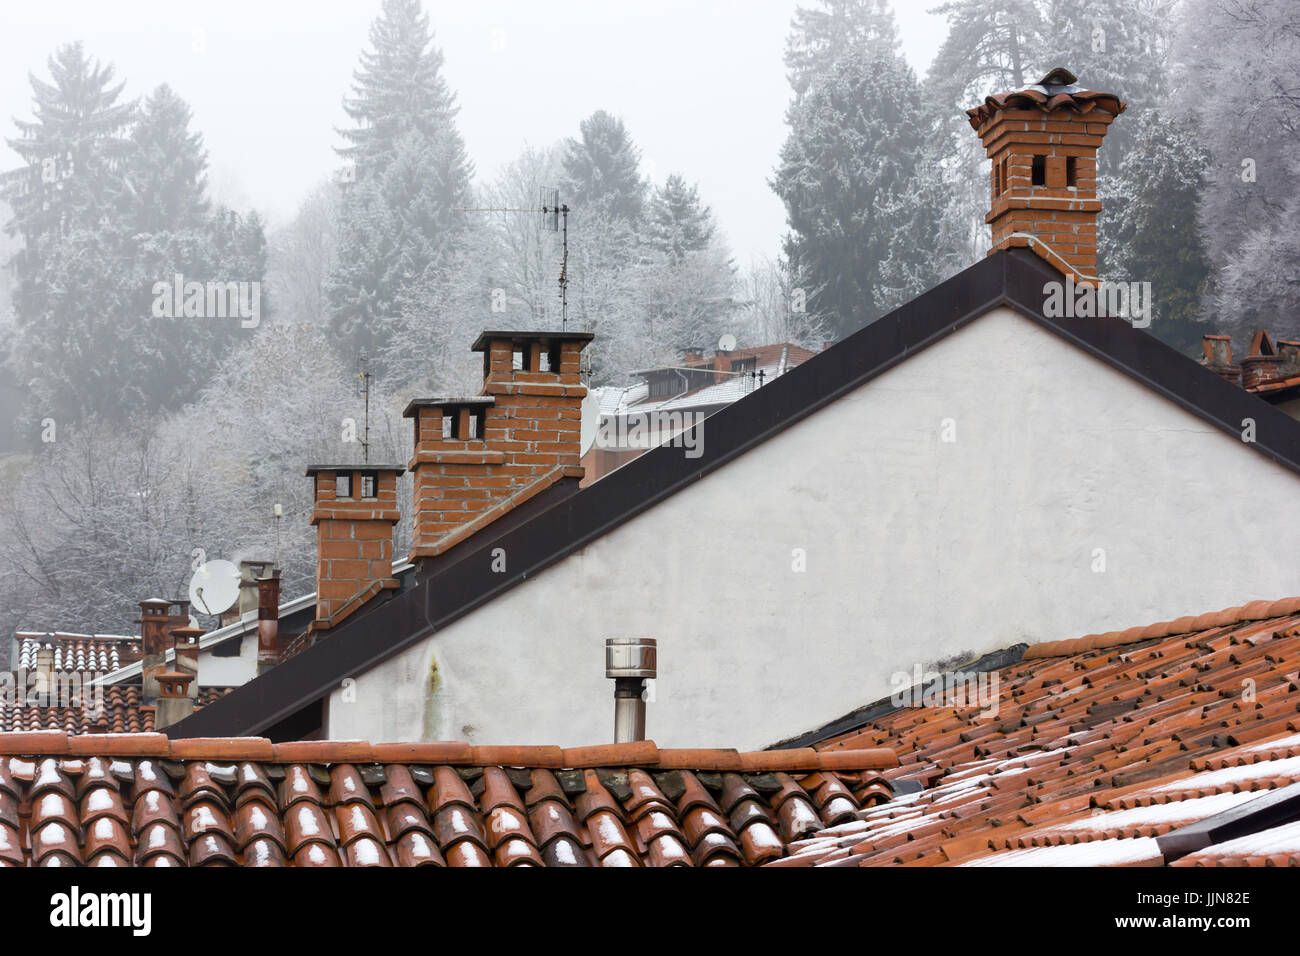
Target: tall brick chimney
1043	143
477	458
356	508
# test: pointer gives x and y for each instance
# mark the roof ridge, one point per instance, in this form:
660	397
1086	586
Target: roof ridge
1253	611
641	753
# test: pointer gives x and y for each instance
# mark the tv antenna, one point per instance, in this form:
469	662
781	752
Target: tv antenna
555	218
365	377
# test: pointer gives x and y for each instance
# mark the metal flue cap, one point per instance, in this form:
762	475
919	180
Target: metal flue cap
630	657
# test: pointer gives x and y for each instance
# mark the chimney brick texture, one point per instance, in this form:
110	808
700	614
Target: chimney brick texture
477	458
354	515
1043	144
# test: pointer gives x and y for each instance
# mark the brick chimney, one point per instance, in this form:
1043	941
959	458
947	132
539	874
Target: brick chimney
1043	143
186	655
1218	357
268	620
478	458
157	622
356	508
176	692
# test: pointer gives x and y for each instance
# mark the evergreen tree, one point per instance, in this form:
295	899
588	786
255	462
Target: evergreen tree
833	29
1150	219
852	176
88	338
602	171
678	223
399	89
72	151
401	215
167	173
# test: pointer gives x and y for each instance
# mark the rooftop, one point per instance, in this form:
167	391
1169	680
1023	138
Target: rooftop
1103	750
122	800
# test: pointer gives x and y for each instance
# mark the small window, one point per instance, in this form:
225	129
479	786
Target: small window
447	425
368	485
744	365
1038	175
342	486
517	360
1071	175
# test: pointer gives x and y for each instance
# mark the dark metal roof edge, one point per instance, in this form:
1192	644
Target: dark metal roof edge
1271	809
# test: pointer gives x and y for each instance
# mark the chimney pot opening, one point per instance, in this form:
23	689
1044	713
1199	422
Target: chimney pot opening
1038	172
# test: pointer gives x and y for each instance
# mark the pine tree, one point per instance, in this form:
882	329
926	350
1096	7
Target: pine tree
89	341
1150	220
401	215
399	89
677	222
166	173
851	175
602	171
834	29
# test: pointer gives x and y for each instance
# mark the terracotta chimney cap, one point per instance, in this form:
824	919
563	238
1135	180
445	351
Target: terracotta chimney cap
1057	90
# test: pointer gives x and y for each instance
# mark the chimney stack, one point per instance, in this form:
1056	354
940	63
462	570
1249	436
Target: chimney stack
177	688
1218	357
477	458
1043	143
629	661
45	673
268	621
356	508
156	623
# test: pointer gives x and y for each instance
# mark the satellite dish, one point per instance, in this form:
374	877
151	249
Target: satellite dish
727	343
590	421
214	589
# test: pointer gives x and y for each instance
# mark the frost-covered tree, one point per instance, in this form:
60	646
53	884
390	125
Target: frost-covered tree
402	211
602	176
773	307
832	29
88	340
677	221
72	151
301	256
166	168
1150	221
1242	57
852	175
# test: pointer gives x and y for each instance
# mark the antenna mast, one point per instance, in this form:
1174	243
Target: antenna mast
365	390
555	217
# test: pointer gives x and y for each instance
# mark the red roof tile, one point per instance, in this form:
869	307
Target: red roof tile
1098	746
144	800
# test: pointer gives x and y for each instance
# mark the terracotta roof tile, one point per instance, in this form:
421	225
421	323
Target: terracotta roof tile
143	800
1098	746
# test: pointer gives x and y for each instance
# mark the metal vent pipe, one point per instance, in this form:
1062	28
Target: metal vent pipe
628	662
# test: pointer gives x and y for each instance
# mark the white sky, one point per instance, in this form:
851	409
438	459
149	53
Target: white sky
700	84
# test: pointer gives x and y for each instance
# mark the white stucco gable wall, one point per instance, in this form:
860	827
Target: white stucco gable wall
917	550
